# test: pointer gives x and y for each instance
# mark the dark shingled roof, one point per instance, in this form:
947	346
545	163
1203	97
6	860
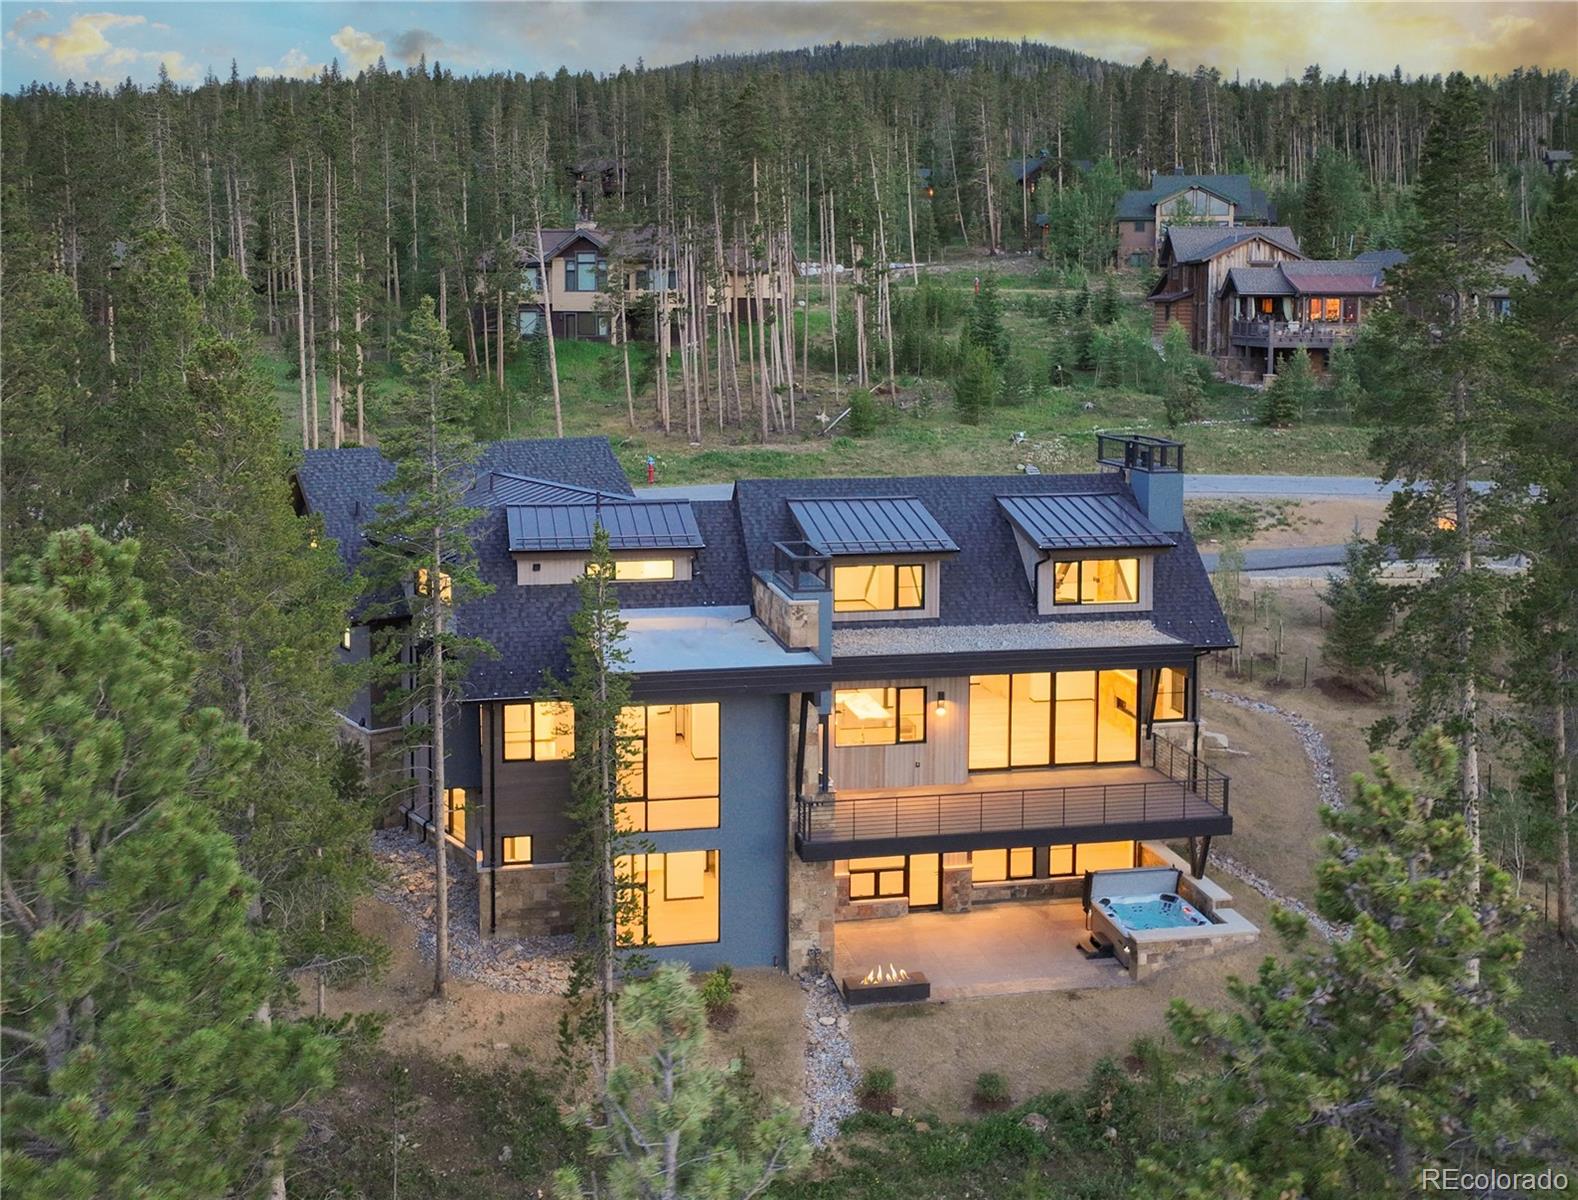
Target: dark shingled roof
1064	522
1385	259
1020	169
870	525
642	525
1306	277
1252	203
1197	243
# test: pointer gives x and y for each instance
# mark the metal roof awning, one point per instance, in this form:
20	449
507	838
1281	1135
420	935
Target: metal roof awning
648	525
870	525
1070	521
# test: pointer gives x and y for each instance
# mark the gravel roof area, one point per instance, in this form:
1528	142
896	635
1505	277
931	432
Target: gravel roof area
863	642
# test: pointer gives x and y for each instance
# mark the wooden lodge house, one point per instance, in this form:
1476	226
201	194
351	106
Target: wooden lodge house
1298	304
1195	260
1214	201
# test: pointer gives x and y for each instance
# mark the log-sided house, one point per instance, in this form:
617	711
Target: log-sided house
1144	216
1195	260
852	700
1297	304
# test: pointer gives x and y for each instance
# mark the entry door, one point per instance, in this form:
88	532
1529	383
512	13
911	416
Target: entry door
925	881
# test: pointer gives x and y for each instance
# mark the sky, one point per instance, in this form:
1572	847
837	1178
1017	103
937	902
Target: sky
108	42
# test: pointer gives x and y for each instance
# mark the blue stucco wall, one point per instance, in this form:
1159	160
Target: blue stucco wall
750	839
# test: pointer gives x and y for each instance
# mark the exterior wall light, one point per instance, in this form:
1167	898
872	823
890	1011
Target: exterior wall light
942	703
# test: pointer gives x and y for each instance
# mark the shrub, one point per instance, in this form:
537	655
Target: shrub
1290	392
862	414
1062	358
717	988
991	1090
974	386
984	327
1107	304
877	1086
1015	388
1182	394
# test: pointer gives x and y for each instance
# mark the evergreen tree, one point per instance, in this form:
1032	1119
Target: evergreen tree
974	385
1290	392
1436	373
1014	388
1182	394
1062	358
1350	1065
136	1064
1108	308
603	892
221	533
678	1128
1360	606
419	548
983	326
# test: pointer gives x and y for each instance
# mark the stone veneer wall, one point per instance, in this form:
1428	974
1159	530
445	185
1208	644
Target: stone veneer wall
795	623
525	901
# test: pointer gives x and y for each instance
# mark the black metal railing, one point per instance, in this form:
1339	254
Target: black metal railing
1140	450
800	566
1190	790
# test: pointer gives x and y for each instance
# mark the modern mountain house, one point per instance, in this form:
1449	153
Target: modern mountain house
852	698
1219	201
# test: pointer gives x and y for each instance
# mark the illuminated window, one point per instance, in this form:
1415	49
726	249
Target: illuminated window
678	897
517	849
1333	308
878	878
1313	310
998	866
345	638
1172	694
633	569
1040	719
1267	306
446	590
1060	861
1096	581
543	730
455	814
879	587
669	777
878	716
1090	856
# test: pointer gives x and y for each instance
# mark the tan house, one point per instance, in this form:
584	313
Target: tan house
1195	260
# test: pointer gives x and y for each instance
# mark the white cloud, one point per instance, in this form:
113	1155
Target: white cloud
83	40
361	50
294	64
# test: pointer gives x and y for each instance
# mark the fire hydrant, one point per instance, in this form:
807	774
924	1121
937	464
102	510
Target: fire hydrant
651	469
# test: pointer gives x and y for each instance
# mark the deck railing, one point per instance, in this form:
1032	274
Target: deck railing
800	566
1189	790
1294	333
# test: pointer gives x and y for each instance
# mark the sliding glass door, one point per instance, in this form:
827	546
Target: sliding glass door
1039	719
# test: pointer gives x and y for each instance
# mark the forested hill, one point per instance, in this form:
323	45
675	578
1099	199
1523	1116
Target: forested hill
909	54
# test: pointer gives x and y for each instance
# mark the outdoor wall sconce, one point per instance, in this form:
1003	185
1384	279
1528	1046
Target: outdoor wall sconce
942	703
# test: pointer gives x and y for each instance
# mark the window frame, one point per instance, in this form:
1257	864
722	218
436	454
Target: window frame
1079	580
1008	864
898	606
455	814
531	707
504	850
897	709
640	878
643	802
1182	691
876	874
1052	759
622	562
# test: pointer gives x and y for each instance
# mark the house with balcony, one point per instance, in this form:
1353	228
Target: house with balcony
855	702
1218	201
1269	313
1195	261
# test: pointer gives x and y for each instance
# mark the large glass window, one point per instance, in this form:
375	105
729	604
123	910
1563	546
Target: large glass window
878	716
878	878
585	272
879	587
1090	856
1096	581
631	570
1172	694
1039	719
998	866
543	730
531	279
678	900
455	814
446	589
670	773
1332	308
1350	309
530	322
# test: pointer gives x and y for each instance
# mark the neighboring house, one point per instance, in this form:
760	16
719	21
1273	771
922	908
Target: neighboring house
1195	260
1515	268
851	698
1298	304
1025	172
1220	200
1557	162
578	280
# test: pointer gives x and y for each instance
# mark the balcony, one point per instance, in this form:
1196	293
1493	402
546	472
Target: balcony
1168	794
1312	335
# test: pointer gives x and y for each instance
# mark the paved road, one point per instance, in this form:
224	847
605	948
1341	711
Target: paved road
1284	559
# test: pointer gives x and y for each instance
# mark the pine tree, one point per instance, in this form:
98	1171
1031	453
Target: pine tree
677	1127
1107	305
974	385
1183	397
419	547
983	326
1349	1065
1360	604
1014	388
1290	392
135	1062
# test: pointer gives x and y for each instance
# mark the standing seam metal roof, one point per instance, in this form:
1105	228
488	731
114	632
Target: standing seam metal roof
653	525
870	525
1073	522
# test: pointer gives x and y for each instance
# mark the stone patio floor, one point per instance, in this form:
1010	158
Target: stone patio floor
995	950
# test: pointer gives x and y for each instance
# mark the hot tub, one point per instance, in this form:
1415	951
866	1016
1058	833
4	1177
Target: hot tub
1162	910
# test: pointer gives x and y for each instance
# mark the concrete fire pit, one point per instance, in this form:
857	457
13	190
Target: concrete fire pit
886	985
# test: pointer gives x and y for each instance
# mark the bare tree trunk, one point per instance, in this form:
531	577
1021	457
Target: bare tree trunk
1564	865
301	309
909	202
1468	765
312	316
361	401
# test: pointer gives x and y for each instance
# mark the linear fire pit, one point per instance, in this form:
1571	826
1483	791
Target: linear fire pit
887	985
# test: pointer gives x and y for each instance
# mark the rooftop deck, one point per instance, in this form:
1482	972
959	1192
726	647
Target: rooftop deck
1168	794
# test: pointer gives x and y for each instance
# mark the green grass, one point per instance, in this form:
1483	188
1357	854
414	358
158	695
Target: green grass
921	436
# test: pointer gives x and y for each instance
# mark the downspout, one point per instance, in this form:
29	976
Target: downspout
494	845
799	754
823	783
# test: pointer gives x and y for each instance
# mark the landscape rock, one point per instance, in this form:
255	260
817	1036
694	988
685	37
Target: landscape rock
895	1111
1035	1122
830	1067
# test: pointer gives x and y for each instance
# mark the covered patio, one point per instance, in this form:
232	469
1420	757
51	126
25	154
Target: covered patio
994	950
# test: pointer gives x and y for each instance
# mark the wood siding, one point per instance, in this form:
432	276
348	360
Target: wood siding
942	759
567	568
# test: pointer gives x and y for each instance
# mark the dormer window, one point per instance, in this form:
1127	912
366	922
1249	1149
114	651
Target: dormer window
1096	581
879	587
638	570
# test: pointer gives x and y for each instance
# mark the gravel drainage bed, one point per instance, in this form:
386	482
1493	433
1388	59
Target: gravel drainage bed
829	1059
530	965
